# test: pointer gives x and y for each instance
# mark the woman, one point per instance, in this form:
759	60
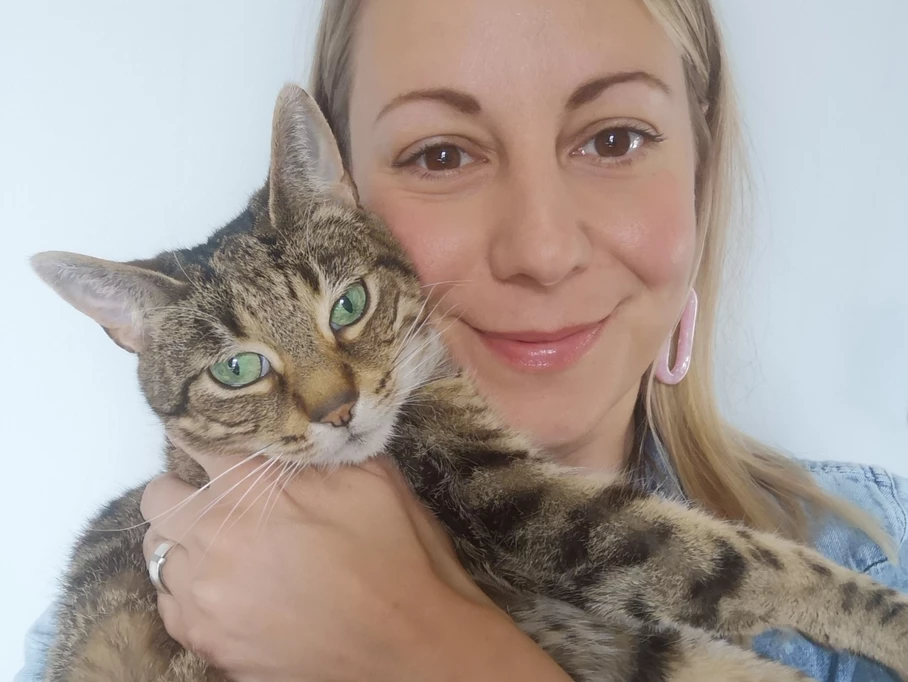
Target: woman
562	173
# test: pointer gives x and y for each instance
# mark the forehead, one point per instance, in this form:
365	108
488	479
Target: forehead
332	240
511	54
299	263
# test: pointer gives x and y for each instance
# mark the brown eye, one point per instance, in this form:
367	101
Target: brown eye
613	143
442	158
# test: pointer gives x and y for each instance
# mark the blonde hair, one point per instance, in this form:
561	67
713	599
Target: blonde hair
720	468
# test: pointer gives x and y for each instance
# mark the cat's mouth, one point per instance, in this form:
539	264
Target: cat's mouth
351	444
357	438
361	436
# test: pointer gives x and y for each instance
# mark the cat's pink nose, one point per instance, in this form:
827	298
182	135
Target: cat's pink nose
339	417
338	411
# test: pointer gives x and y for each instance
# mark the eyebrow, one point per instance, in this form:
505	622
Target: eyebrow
590	90
460	101
467	104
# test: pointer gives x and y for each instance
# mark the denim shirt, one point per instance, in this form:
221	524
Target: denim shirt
877	492
885	497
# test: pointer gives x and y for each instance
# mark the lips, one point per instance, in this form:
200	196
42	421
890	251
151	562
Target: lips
542	351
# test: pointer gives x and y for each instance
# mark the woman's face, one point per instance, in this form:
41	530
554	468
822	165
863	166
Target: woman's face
537	161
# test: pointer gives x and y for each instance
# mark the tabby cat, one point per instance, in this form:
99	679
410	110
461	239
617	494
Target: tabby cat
299	330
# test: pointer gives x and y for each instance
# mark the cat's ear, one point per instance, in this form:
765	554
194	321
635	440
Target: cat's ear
305	159
114	295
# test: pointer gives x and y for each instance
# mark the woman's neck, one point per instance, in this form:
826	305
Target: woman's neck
608	446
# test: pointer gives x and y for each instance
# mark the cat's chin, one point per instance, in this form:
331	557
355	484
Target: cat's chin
366	436
352	447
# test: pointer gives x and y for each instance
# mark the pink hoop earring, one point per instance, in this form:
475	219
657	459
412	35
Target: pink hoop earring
683	353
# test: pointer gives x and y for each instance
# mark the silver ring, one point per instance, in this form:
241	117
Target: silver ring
156	564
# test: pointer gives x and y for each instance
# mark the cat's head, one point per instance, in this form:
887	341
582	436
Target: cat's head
297	330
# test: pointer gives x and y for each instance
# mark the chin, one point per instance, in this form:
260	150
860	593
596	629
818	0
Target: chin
366	436
352	447
563	413
550	426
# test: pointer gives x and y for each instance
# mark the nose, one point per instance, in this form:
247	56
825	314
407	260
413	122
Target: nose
539	238
336	409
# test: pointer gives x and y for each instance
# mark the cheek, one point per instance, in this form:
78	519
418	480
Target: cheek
433	232
650	227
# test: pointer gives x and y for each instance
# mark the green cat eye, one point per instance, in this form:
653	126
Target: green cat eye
240	370
350	307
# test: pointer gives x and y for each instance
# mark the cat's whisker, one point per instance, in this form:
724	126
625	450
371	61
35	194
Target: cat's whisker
296	468
249	506
430	339
421	320
406	385
163	515
400	362
275	496
330	468
447	315
400	366
285	466
272	477
455	282
220	497
265	466
176	259
416	324
402	396
405	371
405	344
433	356
435	308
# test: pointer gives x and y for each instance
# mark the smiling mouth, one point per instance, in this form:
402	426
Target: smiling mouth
542	351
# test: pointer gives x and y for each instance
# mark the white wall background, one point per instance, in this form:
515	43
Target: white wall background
126	128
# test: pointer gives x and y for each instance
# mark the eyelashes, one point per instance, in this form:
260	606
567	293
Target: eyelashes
436	159
614	145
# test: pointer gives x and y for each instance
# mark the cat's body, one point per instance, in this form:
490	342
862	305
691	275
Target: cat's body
616	585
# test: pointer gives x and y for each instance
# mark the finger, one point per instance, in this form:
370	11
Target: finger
181	508
175	558
173	573
172	614
179	511
432	535
153	541
171	506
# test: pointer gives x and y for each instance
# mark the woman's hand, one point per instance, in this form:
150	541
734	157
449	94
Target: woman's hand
340	576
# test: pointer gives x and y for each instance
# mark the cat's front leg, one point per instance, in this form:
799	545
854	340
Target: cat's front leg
692	568
754	581
109	629
618	648
610	548
615	549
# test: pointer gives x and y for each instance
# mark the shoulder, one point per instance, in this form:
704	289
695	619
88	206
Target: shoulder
878	492
38	641
885	497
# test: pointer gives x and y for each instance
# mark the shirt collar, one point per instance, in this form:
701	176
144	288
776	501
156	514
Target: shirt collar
655	472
